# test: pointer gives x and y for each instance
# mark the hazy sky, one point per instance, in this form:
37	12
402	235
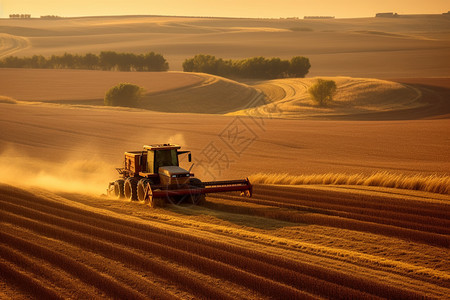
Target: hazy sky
225	8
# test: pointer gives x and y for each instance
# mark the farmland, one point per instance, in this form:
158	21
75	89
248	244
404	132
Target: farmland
310	243
350	200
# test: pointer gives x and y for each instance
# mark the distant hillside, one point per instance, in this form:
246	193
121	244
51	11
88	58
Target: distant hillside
215	95
164	91
289	98
413	46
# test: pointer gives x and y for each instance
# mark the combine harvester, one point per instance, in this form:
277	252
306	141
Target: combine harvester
155	177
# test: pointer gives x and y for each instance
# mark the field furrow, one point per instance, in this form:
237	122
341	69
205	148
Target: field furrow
384	203
188	258
347	221
46	271
105	283
172	263
26	283
116	253
413	221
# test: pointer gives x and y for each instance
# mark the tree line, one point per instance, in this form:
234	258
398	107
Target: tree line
106	60
255	67
20	16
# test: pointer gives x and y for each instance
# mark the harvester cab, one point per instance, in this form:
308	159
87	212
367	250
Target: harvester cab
155	177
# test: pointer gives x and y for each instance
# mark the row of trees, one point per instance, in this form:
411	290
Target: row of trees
107	60
256	67
20	16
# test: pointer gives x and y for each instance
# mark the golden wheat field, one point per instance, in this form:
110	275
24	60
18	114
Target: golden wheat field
349	201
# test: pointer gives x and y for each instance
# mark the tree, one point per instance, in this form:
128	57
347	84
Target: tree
90	61
154	62
123	94
277	68
108	60
38	62
299	66
204	63
68	61
323	91
188	65
254	67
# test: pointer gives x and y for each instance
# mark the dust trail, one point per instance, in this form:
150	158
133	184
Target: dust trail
71	175
150	138
79	172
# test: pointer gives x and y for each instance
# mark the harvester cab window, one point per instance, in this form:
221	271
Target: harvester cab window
160	158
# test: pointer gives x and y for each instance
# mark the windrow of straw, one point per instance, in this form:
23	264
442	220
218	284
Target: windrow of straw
428	183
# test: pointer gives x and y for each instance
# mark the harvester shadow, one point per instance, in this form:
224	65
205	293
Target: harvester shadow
259	218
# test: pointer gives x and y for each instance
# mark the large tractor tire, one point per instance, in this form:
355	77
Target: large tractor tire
141	186
145	193
118	188
154	202
130	189
197	199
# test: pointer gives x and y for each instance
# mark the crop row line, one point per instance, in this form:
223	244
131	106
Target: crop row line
266	266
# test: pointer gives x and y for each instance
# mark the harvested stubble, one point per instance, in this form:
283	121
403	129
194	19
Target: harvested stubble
270	275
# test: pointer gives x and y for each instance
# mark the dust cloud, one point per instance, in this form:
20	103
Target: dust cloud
90	176
82	171
152	138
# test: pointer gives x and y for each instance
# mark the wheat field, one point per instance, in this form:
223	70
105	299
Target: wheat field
428	183
349	202
289	98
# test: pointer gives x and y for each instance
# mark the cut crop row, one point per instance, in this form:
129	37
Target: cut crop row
346	220
245	263
99	240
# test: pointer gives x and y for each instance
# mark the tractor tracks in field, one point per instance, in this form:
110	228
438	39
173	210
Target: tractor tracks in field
151	261
415	220
10	44
106	236
412	221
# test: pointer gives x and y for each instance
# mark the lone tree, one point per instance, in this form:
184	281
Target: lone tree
323	91
123	94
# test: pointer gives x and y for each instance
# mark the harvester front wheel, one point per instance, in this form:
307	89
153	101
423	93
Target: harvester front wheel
142	184
150	200
118	188
197	199
130	188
